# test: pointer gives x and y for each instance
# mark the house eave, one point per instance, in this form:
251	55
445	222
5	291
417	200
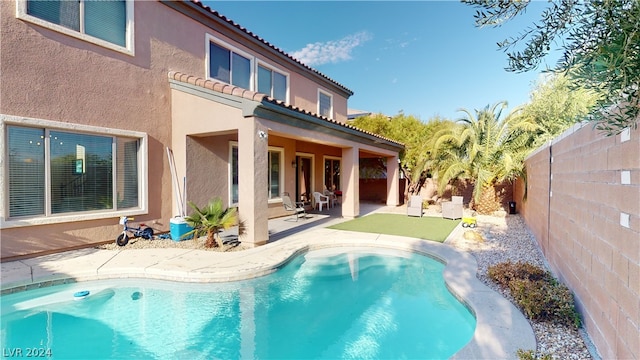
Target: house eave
258	105
277	113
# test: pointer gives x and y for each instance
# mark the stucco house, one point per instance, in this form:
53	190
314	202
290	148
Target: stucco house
93	93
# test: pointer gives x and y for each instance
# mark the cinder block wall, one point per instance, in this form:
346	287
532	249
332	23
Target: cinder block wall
583	206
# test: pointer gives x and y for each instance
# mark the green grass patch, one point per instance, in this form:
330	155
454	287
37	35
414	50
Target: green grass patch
427	227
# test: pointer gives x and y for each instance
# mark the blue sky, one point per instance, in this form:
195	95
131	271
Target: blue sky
425	58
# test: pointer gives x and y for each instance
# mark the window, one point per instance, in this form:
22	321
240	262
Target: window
55	171
105	22
233	174
325	104
275	173
229	66
272	83
332	173
233	66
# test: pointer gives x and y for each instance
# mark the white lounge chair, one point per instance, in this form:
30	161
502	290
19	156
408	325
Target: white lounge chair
452	209
414	207
297	207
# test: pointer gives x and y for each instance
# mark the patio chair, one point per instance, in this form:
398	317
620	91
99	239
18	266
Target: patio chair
333	199
297	208
452	209
414	207
320	199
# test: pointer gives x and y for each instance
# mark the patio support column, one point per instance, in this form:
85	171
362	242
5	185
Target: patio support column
252	181
393	181
350	177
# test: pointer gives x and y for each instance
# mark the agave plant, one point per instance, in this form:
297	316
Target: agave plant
210	220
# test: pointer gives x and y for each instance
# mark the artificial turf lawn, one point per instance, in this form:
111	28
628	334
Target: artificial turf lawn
426	227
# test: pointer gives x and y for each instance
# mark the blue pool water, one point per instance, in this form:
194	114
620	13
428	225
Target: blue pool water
364	304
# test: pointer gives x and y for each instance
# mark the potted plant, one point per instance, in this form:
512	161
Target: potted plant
209	220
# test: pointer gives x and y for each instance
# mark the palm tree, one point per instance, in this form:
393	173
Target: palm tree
210	219
484	149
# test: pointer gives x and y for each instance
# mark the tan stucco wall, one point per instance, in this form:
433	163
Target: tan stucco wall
51	76
575	215
205	158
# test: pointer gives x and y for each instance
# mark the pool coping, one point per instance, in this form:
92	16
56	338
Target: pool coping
501	329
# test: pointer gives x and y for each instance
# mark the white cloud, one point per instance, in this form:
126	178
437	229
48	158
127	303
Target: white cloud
331	51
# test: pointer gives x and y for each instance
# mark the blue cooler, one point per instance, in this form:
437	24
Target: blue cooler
179	227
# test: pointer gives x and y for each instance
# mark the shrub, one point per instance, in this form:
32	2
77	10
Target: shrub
537	293
503	273
531	355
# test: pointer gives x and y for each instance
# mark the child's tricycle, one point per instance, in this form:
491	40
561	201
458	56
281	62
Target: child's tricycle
469	222
142	231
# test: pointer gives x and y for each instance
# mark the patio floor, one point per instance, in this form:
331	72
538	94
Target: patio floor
282	227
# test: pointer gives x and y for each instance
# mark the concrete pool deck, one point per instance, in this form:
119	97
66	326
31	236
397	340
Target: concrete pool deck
501	329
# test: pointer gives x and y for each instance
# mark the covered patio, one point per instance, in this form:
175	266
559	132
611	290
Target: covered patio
248	150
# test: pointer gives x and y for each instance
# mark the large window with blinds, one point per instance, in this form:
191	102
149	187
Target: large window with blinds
101	20
53	172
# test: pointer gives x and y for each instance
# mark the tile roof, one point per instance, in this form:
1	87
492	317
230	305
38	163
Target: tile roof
225	88
256	37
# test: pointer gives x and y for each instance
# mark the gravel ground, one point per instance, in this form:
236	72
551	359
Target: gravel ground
139	243
505	238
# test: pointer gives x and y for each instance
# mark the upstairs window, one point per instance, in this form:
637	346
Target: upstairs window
325	104
229	66
104	20
272	83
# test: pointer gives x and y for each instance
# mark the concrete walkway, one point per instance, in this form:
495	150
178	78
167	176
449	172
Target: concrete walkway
500	330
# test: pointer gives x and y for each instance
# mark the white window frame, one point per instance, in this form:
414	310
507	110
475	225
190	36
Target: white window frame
277	199
129	49
212	39
281	175
143	181
274	69
320	91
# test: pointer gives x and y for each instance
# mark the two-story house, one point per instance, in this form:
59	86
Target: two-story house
94	92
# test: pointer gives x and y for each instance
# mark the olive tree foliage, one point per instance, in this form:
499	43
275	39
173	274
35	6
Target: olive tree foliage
555	105
601	44
415	159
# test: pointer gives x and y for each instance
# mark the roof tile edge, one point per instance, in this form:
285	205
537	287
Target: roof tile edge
260	39
256	96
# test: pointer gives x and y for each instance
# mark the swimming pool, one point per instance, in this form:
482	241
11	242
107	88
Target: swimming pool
325	304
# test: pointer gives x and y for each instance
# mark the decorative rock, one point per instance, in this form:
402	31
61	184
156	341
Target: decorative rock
472	235
508	238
